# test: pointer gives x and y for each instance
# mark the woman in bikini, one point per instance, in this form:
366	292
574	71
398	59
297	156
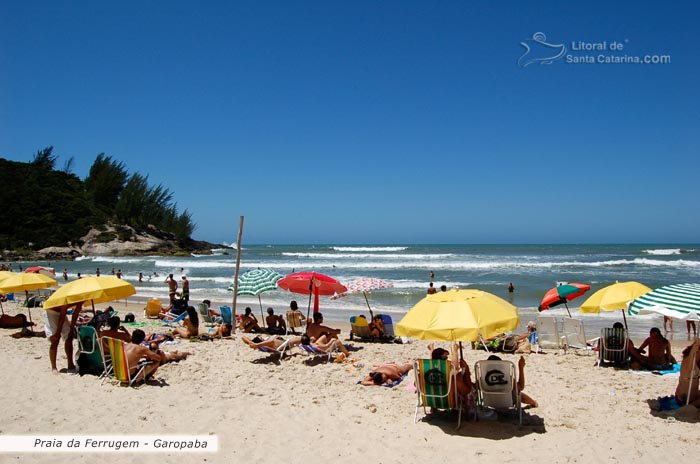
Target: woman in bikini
386	373
191	325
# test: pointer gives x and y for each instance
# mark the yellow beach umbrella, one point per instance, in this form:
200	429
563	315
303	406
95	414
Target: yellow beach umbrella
24	282
614	297
4	275
94	289
458	315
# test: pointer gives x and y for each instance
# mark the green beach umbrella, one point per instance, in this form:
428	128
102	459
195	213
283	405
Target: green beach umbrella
256	282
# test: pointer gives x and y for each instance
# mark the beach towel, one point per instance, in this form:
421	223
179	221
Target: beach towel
675	369
391	384
665	403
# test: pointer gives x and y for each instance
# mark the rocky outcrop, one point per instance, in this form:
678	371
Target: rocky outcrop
114	240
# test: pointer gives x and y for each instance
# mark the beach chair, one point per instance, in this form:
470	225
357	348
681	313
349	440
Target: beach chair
226	315
120	363
90	358
496	386
153	309
173	321
359	328
281	351
204	314
312	350
293	321
548	333
388	327
575	335
435	387
612	347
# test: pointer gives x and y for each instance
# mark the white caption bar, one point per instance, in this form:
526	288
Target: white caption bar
109	443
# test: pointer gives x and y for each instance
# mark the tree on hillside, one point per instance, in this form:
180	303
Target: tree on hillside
45	159
105	182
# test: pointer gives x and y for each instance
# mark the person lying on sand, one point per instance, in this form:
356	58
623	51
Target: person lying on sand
167	356
190	325
273	342
223	331
14	322
325	343
386	373
685	380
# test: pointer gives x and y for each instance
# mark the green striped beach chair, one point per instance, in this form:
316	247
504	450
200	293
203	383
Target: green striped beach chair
435	386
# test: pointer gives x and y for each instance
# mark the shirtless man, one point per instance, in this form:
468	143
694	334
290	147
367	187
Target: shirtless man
58	327
317	330
135	352
172	288
386	373
116	330
275	323
685	380
185	289
659	351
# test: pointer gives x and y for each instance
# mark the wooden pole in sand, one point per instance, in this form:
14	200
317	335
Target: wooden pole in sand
235	277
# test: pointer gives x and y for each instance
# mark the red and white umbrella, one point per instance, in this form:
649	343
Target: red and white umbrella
47	271
364	285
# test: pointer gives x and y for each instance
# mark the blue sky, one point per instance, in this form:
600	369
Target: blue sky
370	122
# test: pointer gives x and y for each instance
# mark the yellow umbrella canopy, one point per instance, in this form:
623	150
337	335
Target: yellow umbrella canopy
5	274
25	281
458	315
94	289
614	297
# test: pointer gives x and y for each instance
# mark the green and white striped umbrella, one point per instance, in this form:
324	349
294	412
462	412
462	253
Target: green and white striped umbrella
257	281
679	301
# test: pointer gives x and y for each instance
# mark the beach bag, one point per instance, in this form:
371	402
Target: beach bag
524	347
509	344
129	318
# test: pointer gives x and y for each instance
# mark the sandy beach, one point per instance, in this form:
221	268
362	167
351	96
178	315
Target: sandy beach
262	410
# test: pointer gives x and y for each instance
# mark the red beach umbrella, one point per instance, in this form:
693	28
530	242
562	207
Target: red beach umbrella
47	271
307	283
561	294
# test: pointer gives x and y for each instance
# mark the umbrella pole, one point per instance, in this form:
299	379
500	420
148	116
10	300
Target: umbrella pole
461	353
29	310
567	309
308	307
2	309
235	277
262	315
371	315
624	318
692	372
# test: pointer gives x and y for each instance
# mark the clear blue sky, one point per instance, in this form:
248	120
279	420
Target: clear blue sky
370	122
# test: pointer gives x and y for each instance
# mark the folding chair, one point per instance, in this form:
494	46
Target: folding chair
575	335
435	387
612	346
312	350
120	362
175	320
279	351
226	314
388	326
293	321
204	314
548	333
359	328
496	386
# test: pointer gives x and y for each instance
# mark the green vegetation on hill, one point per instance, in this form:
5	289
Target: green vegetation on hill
42	206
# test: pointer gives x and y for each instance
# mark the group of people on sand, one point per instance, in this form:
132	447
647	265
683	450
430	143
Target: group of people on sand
138	345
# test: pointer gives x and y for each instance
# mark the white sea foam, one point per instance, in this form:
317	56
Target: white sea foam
377	248
663	251
337	256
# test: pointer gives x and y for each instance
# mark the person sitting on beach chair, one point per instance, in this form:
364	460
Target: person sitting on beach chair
386	374
525	398
135	352
116	330
376	327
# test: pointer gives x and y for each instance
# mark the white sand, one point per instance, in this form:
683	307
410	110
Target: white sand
295	411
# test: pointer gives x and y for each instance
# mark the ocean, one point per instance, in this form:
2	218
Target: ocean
533	269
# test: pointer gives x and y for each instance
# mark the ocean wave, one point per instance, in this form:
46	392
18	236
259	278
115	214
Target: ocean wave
117	259
663	251
377	248
337	256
